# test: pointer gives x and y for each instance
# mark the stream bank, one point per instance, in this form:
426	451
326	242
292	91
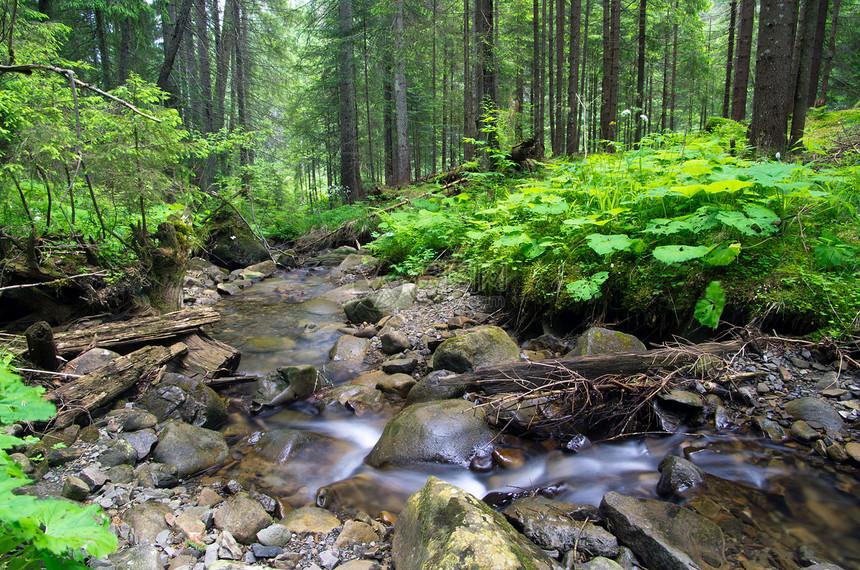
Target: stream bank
780	494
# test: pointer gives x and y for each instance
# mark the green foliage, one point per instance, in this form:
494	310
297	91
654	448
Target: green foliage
710	307
53	533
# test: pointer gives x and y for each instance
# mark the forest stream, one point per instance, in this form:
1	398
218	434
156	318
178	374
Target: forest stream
778	500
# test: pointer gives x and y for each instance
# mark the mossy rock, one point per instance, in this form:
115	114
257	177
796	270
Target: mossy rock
598	340
481	346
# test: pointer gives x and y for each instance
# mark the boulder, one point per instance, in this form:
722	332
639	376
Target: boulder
178	397
354	263
355	398
147	520
443	527
190	448
399	384
394	341
232	244
90	361
349	347
157	476
815	412
373	307
266	269
132	419
558	525
664	535
243	517
447	431
481	346
310	520
429	389
143	556
301	383
598	340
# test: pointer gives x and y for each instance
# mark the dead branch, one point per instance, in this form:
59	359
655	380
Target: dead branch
102	273
28	68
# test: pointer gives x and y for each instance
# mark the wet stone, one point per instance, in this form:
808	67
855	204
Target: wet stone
261	551
853	451
509	458
400	366
803	432
837	453
770	428
133	419
75	489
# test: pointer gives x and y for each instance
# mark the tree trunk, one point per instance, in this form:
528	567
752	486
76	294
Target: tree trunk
550	44
831	53
772	88
171	47
542	94
349	173
205	90
572	139
388	123
403	158
41	349
640	73
727	90
370	156
469	126
743	51
801	90
609	89
124	49
104	55
664	99
559	145
433	98
817	51
484	37
674	71
537	127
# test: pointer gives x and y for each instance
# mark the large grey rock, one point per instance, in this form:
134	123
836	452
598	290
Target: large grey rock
243	517
147	519
190	448
373	307
144	556
815	411
443	527
180	398
664	535
481	346
429	388
558	525
598	340
394	341
349	347
90	361
301	383
448	431
132	419
232	244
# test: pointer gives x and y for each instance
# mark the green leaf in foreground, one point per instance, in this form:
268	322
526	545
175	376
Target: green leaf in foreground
606	245
709	308
586	289
679	253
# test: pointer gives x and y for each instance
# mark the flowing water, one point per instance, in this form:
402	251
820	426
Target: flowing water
781	500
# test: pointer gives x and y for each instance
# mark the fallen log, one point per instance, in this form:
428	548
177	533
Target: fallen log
522	376
134	331
206	357
99	388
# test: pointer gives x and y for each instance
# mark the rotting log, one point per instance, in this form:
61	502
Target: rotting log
522	376
135	331
206	357
101	387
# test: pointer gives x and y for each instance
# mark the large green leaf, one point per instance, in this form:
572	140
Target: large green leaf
723	254
608	244
709	308
21	402
586	289
679	253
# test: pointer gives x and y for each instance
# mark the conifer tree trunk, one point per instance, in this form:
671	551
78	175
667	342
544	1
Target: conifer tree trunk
743	53
609	88
727	90
640	72
484	36
205	78
433	92
469	126
171	46
388	122
831	53
804	74
772	89
542	95
674	71
537	126
403	159
551	71
558	145
104	54
817	51
350	179
124	49
370	156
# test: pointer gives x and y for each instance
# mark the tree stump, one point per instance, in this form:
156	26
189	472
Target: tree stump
41	350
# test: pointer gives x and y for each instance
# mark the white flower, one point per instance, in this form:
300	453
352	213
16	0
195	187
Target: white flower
778	155
644	117
626	113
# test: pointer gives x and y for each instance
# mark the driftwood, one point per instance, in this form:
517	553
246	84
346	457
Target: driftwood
530	375
101	387
206	357
135	331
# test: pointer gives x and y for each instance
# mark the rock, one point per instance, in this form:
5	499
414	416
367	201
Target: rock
93	477
557	525
232	244
837	453
243	517
265	268
144	556
689	402
190	448
189	525
228	547
348	292
261	551
302	382
429	389
118	452
274	535
359	565
509	458
853	451
448	431
443	527
132	419
349	347
147	520
75	489
228	289
399	384
357	398
89	361
600	563
372	308
310	520
481	346
142	441
400	366
158	476
390	323
355	532
180	398
597	340
677	476
208	497
394	342
803	432
664	535
122	474
771	430
814	410
547	343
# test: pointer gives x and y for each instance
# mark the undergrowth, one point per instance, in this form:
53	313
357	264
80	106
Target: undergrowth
645	233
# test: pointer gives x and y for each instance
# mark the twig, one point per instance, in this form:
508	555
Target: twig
101	273
31	371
